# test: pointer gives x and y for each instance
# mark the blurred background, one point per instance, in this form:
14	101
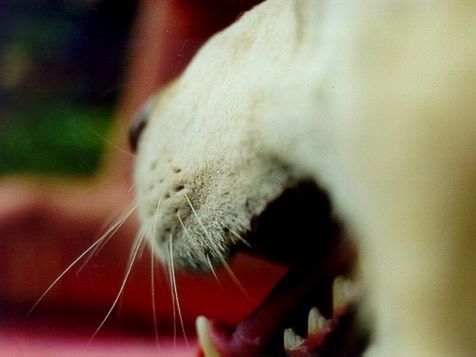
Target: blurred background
61	65
72	75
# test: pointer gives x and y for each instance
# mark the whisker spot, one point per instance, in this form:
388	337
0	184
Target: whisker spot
179	188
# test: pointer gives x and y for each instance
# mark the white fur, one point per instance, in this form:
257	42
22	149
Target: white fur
376	100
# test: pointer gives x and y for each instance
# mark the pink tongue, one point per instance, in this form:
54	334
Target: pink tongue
294	295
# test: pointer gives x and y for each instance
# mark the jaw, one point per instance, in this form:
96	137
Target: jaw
306	313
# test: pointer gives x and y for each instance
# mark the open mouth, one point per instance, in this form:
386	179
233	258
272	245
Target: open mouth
312	310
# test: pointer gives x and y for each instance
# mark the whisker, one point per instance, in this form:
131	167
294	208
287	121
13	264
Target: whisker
179	309
109	220
237	281
192	241
135	249
106	236
110	143
103	182
156	218
174	308
240	238
152	290
141	250
131	188
152	275
213	272
213	245
227	267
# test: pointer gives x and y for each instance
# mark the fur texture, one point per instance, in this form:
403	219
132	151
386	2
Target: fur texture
376	101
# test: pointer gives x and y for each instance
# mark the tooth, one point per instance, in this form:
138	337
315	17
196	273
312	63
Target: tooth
205	337
291	339
343	292
338	299
315	322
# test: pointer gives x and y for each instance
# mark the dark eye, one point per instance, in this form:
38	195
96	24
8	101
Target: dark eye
136	129
139	124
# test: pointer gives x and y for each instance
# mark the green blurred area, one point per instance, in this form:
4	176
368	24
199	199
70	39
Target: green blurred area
60	138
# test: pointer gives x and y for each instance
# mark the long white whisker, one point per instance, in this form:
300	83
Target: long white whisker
240	238
110	143
108	234
236	281
52	285
110	220
141	249
83	254
152	275
213	272
213	246
179	309
174	308
135	250
185	230
227	267
196	216
104	182
131	188
152	290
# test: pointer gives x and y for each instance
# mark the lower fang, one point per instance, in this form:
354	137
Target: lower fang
292	340
315	322
205	337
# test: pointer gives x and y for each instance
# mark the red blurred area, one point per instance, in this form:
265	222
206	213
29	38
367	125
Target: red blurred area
79	301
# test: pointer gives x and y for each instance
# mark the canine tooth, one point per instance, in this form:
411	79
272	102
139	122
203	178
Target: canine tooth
343	292
291	339
205	337
315	321
338	299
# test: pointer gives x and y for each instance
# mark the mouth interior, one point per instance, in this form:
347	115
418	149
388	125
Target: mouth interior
304	314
